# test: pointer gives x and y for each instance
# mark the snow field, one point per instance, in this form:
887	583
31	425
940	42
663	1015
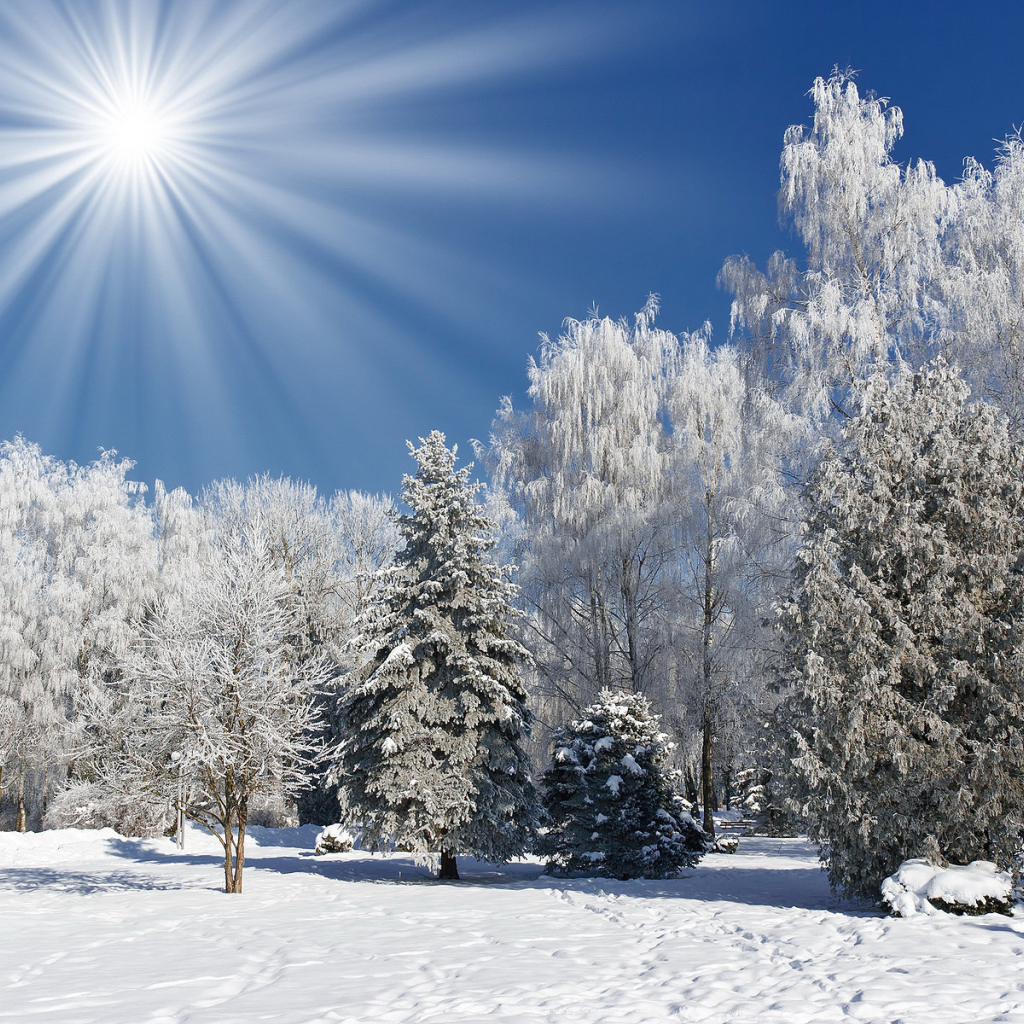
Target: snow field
103	930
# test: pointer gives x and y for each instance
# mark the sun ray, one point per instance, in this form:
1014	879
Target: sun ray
183	197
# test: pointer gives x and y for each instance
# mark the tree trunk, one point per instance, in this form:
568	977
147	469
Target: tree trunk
229	839
19	818
707	780
449	871
598	634
243	817
234	849
630	585
691	784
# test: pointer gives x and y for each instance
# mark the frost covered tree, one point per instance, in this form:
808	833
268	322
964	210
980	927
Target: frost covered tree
610	798
648	475
902	637
223	705
897	265
437	714
113	566
366	539
78	566
730	440
328	550
587	468
861	299
980	293
300	539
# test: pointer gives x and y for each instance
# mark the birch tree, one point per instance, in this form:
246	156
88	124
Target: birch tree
981	289
586	466
79	568
731	441
860	299
897	265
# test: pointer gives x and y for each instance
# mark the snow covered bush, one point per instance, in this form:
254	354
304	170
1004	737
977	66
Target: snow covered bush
903	637
334	839
919	887
609	796
437	717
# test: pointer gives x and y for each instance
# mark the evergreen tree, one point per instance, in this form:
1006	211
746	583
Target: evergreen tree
610	798
437	716
903	637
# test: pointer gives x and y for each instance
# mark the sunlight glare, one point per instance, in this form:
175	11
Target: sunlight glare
135	133
190	198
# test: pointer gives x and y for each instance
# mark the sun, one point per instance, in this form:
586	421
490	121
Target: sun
202	202
135	133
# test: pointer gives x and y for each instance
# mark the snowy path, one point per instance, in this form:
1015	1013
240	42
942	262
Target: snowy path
103	930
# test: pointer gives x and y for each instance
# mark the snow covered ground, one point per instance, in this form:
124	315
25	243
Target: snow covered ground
96	928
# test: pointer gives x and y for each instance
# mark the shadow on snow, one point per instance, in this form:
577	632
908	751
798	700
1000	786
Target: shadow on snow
84	883
766	873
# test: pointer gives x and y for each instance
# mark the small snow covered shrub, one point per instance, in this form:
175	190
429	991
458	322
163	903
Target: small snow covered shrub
610	799
919	887
334	839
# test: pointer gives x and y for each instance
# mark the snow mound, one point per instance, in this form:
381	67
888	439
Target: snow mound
919	887
726	844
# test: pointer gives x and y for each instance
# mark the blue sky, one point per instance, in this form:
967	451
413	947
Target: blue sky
247	237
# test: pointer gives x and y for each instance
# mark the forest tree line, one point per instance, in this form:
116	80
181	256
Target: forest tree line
802	545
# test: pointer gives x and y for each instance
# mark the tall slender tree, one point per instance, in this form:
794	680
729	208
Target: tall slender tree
731	440
437	715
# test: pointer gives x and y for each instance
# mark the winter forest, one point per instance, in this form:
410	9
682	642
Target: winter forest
775	570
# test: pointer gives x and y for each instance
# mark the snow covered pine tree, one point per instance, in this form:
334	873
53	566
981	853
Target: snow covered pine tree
437	716
609	796
903	637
